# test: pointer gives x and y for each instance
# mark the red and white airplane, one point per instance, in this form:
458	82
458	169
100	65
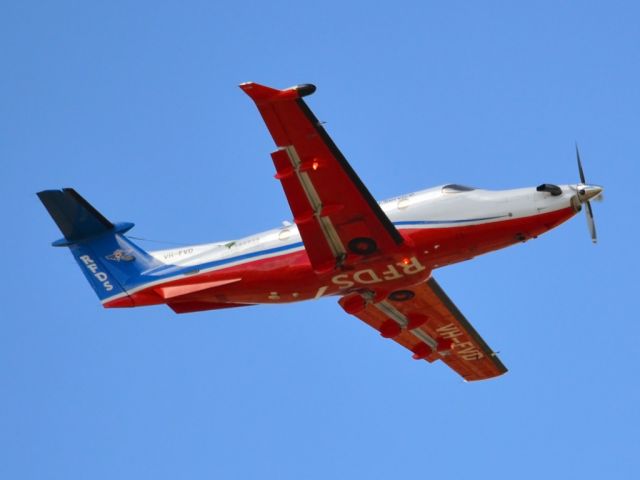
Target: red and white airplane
377	258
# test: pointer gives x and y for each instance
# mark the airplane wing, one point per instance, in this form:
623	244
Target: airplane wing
432	327
338	219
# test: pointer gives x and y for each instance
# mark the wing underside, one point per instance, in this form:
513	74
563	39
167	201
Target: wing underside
426	322
338	218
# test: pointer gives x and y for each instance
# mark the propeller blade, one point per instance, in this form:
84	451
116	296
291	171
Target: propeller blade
586	192
582	180
590	223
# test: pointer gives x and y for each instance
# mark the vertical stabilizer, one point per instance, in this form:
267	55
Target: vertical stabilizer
109	260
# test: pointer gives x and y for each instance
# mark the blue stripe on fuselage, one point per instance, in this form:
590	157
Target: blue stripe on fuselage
170	271
440	222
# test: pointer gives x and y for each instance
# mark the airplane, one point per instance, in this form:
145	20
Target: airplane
377	258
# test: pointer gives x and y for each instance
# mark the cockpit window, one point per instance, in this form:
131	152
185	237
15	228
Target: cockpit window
455	188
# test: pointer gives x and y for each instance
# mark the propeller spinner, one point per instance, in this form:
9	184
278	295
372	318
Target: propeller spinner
586	192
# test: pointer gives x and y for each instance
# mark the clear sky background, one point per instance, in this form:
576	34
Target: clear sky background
136	105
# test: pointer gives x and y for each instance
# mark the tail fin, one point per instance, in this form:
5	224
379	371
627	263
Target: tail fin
109	260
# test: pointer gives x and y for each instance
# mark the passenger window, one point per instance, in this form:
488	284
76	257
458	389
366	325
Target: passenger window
403	203
284	234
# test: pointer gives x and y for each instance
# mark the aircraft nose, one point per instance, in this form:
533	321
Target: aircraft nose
587	192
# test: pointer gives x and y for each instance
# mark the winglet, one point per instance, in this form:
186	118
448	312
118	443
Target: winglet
263	94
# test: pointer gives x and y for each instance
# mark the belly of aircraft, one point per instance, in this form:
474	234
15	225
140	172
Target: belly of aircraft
290	278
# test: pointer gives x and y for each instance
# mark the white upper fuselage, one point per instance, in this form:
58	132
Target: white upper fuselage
437	207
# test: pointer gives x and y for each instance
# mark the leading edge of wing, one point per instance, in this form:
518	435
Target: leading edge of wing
453	309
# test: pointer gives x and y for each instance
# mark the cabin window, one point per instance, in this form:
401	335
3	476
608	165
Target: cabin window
284	234
455	188
403	203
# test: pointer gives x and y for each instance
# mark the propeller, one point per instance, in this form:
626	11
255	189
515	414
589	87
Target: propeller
585	193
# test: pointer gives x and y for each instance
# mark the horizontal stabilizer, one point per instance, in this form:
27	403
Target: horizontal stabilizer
190	307
175	291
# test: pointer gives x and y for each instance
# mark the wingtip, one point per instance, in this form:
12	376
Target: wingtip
305	89
262	94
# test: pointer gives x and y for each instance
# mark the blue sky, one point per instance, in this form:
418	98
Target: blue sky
136	105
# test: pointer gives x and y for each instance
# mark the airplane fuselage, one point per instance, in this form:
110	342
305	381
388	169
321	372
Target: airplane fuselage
441	226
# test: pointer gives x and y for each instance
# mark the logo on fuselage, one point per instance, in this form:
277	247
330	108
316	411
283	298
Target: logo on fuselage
370	276
121	256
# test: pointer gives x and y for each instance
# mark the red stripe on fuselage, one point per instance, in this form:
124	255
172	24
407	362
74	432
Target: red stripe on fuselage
289	277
